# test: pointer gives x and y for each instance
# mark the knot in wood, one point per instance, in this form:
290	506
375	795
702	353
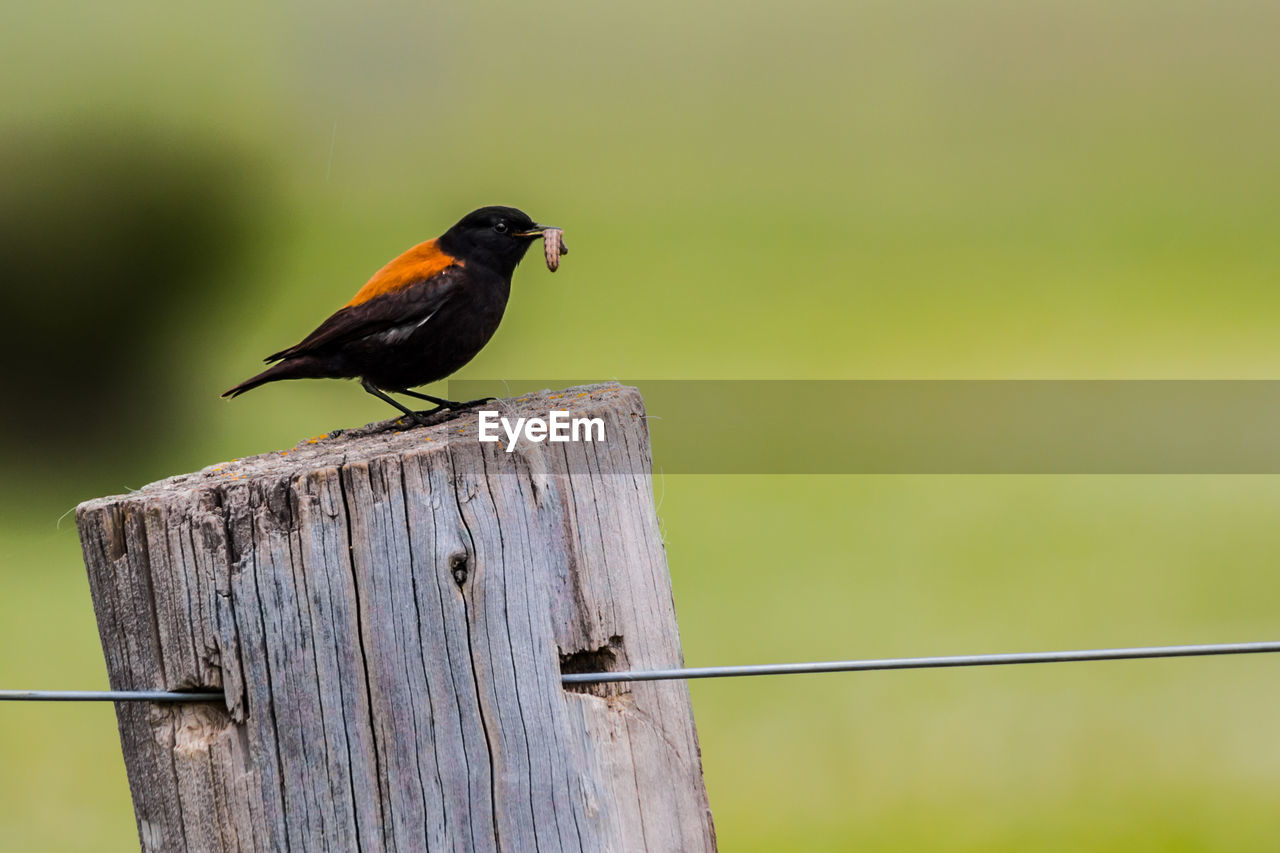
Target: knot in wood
458	566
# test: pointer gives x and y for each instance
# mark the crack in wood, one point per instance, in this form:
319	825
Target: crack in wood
471	654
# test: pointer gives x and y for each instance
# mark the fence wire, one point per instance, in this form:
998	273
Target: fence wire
923	663
109	696
688	673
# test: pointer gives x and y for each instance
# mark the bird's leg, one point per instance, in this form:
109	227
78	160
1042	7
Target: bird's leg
442	403
417	416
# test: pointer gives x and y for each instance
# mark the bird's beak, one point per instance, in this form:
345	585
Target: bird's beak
535	231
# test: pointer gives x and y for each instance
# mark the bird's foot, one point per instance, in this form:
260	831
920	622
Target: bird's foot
419	419
472	403
446	411
455	406
442	403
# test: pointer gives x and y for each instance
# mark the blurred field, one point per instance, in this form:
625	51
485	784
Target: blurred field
802	190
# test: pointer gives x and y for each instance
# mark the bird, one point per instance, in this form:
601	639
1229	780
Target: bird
420	318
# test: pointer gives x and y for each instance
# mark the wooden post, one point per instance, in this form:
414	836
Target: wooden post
389	614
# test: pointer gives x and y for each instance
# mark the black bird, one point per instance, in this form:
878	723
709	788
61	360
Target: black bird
421	317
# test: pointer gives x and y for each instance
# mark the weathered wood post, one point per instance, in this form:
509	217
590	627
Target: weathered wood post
389	614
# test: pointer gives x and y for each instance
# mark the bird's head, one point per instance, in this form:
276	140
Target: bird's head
494	236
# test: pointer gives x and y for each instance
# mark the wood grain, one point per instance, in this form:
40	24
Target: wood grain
389	613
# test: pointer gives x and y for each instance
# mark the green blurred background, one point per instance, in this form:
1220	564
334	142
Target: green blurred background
764	190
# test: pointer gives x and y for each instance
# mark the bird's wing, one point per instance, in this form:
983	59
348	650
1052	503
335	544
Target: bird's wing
412	301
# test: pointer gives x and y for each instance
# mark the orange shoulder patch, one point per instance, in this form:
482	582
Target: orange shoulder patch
421	262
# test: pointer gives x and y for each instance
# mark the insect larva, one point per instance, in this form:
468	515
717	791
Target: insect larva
553	246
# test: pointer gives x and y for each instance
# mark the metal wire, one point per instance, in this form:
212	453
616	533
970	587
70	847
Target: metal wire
726	671
107	696
922	663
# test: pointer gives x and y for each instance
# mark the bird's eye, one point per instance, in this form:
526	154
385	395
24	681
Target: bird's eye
500	227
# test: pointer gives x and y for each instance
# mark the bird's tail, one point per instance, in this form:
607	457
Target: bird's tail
294	368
